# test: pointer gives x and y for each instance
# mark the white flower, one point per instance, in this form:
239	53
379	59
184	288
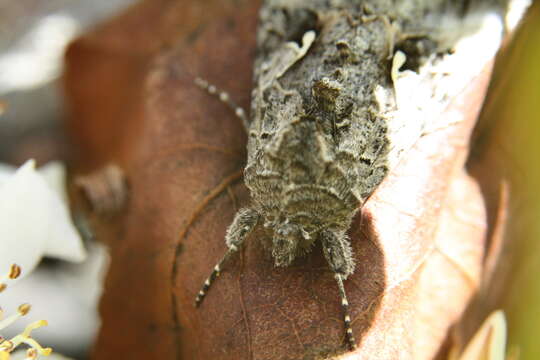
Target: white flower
34	218
65	294
21	355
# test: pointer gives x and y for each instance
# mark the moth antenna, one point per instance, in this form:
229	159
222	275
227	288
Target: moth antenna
226	99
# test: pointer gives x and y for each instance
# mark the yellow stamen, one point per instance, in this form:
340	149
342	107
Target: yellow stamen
23	309
14	271
31	354
33	326
24	337
7	346
41	350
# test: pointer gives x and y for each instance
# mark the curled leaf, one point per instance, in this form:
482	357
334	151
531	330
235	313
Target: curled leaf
419	241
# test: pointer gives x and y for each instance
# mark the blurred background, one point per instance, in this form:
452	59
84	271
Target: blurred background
508	135
33	37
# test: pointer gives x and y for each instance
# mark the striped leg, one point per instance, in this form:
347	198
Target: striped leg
225	98
242	225
338	253
347	318
213	276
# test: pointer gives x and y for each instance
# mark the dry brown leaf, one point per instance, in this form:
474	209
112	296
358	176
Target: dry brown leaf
419	242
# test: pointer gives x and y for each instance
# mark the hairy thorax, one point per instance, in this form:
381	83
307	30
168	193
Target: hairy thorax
293	179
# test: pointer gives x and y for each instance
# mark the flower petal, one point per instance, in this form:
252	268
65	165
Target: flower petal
34	222
54	174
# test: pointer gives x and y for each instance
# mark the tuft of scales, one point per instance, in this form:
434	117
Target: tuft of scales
331	114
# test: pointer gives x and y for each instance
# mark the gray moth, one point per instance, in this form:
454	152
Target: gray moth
332	113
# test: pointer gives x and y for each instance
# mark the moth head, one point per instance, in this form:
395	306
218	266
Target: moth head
286	242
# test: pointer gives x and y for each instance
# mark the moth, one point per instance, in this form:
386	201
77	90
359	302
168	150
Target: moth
324	125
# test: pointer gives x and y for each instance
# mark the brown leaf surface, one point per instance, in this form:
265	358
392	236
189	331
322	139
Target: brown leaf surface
418	244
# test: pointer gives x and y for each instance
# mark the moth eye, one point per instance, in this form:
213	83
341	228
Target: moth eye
265	135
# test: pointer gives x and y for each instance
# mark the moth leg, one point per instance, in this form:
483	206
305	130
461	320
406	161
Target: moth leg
226	99
242	225
338	253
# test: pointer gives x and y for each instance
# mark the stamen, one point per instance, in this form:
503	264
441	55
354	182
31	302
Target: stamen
40	349
14	271
24	337
7	346
31	354
21	311
33	326
24	309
